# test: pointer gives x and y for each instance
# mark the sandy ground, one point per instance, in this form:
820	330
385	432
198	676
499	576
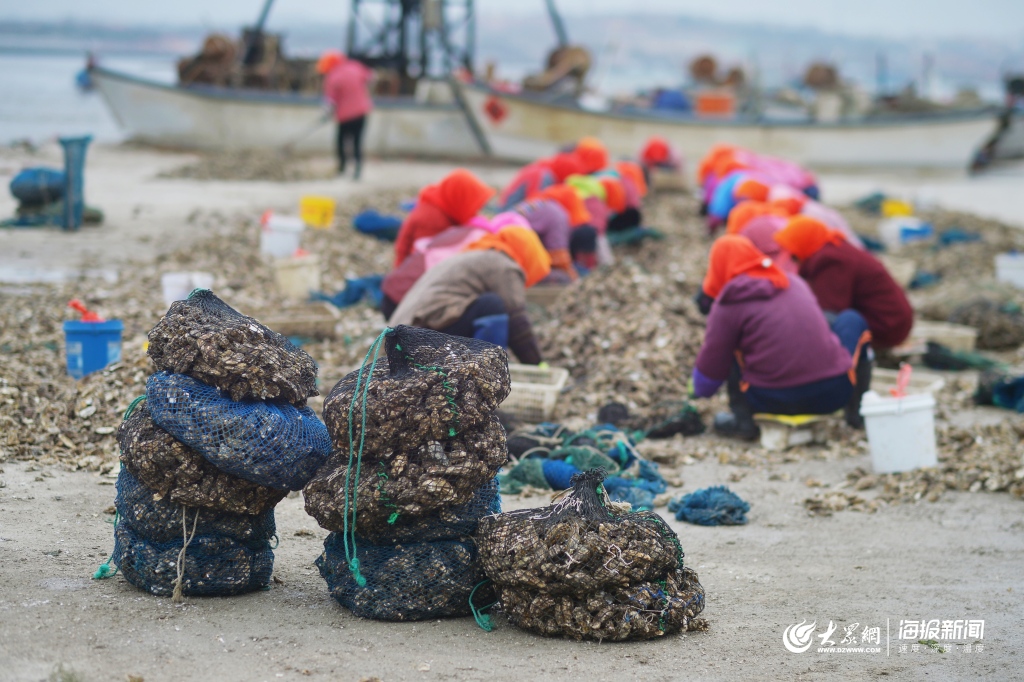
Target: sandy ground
959	558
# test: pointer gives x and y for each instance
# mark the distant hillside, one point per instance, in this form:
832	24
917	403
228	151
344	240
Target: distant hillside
631	52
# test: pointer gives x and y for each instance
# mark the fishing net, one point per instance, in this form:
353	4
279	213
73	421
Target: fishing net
272	444
586	568
406	484
429	387
211	565
159	520
174	471
209	340
670	418
413	581
640	611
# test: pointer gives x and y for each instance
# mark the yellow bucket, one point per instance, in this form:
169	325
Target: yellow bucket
317	212
895	208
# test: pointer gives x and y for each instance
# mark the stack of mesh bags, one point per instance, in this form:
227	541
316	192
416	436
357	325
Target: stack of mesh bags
587	568
223	435
417	446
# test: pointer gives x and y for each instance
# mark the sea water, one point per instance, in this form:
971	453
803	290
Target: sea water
39	99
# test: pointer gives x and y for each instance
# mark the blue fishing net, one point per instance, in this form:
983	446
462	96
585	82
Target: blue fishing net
411	581
213	564
273	444
714	506
159	520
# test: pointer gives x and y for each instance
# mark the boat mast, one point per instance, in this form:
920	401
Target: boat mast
414	39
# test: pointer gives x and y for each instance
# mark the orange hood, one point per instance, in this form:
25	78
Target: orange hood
570	201
732	256
523	246
803	236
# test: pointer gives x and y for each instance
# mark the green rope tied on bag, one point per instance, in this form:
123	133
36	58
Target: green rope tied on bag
105	571
482	619
351	491
132	406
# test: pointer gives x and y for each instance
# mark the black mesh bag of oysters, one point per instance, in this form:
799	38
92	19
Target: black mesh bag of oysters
212	564
159	520
427	386
588	568
209	340
396	487
276	445
409	581
175	471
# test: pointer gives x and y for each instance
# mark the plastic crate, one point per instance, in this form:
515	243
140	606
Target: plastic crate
534	391
312	321
545	295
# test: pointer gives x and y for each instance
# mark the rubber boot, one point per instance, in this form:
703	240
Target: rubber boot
852	409
739	423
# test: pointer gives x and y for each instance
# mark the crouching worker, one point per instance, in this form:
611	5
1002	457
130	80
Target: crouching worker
769	341
481	292
844	277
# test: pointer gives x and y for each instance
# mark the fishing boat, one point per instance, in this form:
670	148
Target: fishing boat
214	118
522	127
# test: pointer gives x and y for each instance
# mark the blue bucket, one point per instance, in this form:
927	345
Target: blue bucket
91	346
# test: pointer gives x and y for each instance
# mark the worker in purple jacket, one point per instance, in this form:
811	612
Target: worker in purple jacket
768	339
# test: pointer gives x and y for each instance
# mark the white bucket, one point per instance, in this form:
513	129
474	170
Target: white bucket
280	235
1010	269
901	431
297	276
178	285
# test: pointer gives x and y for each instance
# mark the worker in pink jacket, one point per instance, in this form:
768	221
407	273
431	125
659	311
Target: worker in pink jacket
346	87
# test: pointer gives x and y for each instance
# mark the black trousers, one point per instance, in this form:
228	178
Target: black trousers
350	130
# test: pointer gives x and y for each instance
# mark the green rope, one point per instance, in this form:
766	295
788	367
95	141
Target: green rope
105	571
482	619
131	408
348	536
382	476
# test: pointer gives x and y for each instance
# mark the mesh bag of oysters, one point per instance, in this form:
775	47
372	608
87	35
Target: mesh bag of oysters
587	568
417	446
218	441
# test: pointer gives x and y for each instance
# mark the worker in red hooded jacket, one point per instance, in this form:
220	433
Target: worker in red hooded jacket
844	277
453	201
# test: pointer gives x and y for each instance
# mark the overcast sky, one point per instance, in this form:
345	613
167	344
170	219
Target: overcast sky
889	18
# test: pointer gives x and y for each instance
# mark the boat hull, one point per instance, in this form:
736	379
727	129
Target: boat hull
525	129
221	119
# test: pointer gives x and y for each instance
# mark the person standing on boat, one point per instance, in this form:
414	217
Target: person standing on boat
347	88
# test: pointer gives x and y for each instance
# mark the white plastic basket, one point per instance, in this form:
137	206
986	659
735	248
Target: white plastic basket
534	391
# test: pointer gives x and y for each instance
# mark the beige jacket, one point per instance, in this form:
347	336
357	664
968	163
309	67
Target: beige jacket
444	292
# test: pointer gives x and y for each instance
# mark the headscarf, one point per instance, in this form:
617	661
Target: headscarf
587	186
733	255
628	169
328	60
570	201
752	189
707	164
592	153
655	152
460	195
748	210
564	164
803	236
524	247
614	193
789	205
